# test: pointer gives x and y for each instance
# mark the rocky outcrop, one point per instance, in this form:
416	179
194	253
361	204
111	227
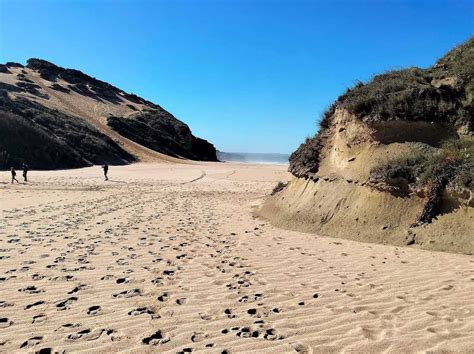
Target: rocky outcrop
84	121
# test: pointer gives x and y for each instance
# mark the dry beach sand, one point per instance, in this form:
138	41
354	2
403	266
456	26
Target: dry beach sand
169	258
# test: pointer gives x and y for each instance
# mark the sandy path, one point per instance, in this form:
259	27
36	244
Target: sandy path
170	258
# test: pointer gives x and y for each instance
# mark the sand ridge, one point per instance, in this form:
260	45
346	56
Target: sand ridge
171	258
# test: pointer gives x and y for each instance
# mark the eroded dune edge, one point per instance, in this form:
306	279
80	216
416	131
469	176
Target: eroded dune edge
392	162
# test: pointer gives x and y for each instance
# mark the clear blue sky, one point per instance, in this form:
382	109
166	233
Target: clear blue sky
249	76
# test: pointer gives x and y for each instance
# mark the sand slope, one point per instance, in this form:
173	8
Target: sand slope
170	258
347	210
92	109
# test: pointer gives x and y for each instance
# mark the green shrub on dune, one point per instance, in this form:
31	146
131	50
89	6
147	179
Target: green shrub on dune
450	165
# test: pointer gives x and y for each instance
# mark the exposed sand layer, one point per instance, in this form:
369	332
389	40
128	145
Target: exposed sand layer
170	258
347	210
332	192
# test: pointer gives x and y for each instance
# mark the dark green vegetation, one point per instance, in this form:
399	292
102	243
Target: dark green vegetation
442	94
48	139
82	83
451	166
425	106
160	131
422	169
304	162
409	95
279	187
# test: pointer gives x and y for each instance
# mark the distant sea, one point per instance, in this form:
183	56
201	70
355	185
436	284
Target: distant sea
255	158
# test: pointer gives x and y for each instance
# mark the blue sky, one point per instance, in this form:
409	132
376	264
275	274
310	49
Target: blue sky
249	76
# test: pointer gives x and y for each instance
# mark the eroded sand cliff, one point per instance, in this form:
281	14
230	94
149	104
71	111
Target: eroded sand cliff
345	184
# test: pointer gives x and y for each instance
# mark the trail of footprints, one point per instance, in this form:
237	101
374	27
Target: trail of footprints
78	231
146	264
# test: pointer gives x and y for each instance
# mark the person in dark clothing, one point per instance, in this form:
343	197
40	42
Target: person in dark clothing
24	167
13	175
106	169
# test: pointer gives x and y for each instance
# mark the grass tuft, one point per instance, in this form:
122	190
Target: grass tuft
452	164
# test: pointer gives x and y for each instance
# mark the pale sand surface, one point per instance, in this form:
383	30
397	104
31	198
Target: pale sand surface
170	257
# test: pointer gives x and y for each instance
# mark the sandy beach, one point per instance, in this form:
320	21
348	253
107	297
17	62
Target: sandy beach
172	258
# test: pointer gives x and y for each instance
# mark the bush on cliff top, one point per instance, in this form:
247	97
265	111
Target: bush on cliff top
409	94
452	164
406	95
455	157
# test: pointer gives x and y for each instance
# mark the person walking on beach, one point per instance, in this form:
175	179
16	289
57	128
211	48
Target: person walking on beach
106	169
13	175
24	167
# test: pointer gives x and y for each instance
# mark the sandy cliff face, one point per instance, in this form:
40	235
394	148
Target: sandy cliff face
71	120
339	188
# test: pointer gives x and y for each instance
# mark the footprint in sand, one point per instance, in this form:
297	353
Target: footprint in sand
5	322
156	338
157	281
301	348
249	332
143	311
68	325
37	276
122	280
251	298
37	303
65	304
39	319
163	297
181	301
30	290
128	293
252	312
45	351
88	334
77	288
229	313
94	310
31	342
198	337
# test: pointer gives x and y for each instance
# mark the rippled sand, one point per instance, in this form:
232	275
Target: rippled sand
171	258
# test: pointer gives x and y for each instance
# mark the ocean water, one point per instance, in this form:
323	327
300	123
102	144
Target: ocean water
253	158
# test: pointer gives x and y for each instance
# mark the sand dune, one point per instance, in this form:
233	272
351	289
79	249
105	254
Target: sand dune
171	258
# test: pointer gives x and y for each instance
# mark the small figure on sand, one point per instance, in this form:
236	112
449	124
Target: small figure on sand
106	169
24	167
13	175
